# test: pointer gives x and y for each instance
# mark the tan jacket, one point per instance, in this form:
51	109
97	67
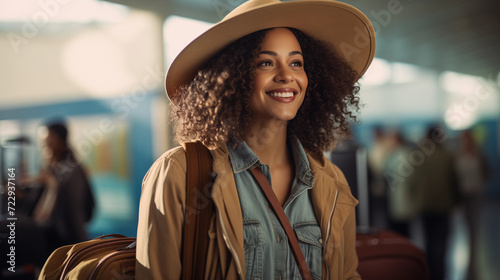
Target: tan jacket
161	218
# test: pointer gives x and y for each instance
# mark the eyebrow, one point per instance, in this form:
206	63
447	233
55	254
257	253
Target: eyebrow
275	54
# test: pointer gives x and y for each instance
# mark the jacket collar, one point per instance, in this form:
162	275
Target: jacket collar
331	197
329	178
228	208
243	157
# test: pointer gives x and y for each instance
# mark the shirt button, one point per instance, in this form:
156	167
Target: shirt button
279	238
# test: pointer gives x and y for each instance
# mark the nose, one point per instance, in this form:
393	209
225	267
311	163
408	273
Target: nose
284	75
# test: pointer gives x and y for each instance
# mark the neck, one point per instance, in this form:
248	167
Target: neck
60	155
268	142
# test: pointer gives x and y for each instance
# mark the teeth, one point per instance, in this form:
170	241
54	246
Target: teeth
281	94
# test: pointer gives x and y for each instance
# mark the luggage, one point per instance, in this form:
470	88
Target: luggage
113	256
386	255
106	257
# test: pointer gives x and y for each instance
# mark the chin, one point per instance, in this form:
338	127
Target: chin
286	117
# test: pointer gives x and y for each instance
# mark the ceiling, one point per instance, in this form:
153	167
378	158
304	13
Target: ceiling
456	35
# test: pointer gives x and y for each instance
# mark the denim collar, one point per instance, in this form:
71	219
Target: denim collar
243	158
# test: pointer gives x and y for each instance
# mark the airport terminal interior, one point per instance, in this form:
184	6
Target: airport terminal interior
98	67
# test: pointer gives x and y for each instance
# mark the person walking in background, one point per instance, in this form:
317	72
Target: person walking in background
473	174
377	158
67	202
401	190
437	194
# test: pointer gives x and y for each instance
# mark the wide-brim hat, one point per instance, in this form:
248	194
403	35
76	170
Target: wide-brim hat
346	28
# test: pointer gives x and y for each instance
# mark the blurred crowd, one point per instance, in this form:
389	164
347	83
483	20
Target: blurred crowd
422	183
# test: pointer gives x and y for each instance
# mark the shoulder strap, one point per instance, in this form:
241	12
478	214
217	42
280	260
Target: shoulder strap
278	210
198	202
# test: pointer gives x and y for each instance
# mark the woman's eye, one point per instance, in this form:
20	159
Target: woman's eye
297	63
265	63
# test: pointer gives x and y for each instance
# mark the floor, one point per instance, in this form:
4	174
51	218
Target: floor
486	257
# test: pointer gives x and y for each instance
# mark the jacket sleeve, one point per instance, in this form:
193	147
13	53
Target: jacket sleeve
350	255
161	216
73	194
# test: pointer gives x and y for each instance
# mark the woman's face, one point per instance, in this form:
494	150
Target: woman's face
280	81
54	144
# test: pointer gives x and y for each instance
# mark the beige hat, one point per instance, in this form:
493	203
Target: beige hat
345	27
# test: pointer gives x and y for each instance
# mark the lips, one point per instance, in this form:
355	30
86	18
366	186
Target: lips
284	95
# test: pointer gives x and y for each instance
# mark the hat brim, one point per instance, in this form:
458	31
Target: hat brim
341	25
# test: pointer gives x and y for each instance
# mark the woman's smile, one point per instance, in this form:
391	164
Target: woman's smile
284	95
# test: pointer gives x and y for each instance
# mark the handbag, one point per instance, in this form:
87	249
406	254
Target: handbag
113	256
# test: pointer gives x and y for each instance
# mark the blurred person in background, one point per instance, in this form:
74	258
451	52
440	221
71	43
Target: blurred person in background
67	202
401	180
437	194
377	157
473	173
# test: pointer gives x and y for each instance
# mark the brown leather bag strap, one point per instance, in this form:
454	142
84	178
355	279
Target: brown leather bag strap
278	210
198	211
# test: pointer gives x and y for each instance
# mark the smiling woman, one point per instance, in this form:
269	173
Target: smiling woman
268	90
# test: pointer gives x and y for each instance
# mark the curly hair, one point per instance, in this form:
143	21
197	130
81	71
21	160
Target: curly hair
331	100
213	107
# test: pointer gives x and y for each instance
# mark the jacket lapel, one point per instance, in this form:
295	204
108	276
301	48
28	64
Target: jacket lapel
332	202
226	200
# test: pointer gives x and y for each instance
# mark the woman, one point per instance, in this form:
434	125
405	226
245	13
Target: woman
261	93
67	202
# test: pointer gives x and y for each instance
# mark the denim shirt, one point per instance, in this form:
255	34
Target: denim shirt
267	252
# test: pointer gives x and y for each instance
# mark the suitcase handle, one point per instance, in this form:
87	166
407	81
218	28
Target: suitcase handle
114	235
128	247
